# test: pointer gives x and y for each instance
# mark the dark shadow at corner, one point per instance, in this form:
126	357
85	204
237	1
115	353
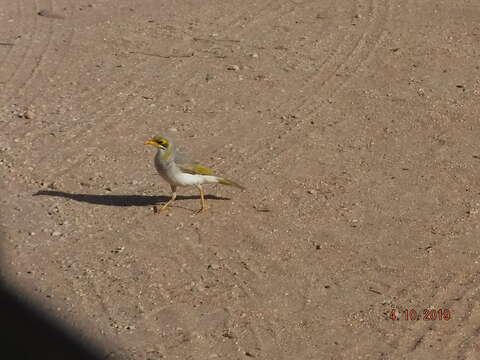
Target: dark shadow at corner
120	200
29	332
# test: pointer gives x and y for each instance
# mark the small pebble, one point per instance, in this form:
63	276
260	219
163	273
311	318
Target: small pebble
119	250
233	67
28	114
56	233
312	191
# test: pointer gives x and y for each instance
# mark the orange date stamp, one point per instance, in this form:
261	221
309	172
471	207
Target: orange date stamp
424	314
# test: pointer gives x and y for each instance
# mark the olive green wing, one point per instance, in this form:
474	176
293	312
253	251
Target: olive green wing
196	169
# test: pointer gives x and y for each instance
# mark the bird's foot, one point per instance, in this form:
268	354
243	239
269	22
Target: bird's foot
163	208
201	210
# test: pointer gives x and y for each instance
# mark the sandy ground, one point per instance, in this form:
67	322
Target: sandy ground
353	124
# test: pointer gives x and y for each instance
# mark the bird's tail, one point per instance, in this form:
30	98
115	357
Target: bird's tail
229	182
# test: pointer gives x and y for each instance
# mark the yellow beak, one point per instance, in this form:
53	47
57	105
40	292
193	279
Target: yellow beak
151	142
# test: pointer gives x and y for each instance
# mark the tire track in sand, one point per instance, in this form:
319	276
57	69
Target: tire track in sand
357	55
459	335
110	121
18	52
9	44
57	16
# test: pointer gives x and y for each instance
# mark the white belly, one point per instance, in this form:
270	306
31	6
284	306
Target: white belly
173	175
184	179
167	170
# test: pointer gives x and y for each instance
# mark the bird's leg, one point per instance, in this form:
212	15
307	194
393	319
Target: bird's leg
202	199
172	199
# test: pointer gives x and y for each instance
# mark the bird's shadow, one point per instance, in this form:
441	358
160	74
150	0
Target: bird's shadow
120	200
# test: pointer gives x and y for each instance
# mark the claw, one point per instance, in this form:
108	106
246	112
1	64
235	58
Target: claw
157	210
163	208
201	210
165	205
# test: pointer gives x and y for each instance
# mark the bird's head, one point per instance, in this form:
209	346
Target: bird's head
159	142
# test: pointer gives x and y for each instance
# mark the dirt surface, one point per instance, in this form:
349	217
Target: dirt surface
353	124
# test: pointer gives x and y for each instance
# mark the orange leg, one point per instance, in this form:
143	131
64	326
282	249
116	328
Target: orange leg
202	199
172	199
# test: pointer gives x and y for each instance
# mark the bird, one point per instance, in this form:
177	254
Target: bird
177	172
